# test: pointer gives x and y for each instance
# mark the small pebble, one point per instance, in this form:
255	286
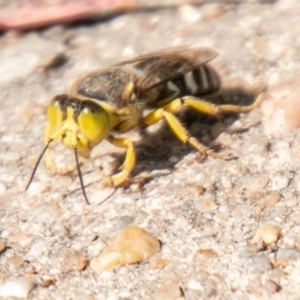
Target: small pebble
255	183
14	262
168	291
18	288
20	238
208	253
160	263
285	255
226	183
292	202
240	210
267	234
279	182
271	286
268	199
47	281
132	245
181	222
75	262
259	263
205	205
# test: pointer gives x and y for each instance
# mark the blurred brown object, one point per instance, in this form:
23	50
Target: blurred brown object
33	14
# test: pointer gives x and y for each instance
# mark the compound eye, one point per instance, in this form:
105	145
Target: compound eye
94	122
54	113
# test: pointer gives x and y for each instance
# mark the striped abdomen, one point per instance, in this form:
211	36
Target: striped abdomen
201	81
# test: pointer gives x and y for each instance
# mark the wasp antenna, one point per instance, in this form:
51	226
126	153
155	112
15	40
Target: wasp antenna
80	177
37	164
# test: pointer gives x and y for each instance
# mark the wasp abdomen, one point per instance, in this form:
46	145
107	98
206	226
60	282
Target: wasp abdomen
201	81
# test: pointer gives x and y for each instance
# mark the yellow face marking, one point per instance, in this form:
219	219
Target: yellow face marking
83	132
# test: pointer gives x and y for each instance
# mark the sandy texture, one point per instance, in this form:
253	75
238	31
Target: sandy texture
206	214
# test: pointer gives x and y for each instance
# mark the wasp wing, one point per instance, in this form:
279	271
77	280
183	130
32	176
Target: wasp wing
161	66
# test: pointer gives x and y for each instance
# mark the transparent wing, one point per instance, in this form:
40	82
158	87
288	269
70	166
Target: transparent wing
164	65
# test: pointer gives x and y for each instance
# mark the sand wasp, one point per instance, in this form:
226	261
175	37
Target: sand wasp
114	99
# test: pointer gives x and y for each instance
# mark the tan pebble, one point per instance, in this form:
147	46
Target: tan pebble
47	281
195	189
168	291
78	294
279	182
17	288
268	199
226	183
160	263
30	271
205	205
292	202
221	217
132	245
75	262
14	262
20	238
181	222
240	210
255	183
2	246
208	253
267	234
281	112
271	286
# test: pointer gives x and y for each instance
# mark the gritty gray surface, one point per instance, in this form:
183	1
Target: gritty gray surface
204	213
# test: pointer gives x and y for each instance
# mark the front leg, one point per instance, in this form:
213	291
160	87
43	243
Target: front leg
129	163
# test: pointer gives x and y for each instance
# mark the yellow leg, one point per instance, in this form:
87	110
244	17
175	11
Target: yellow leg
166	112
48	159
178	129
209	108
129	163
